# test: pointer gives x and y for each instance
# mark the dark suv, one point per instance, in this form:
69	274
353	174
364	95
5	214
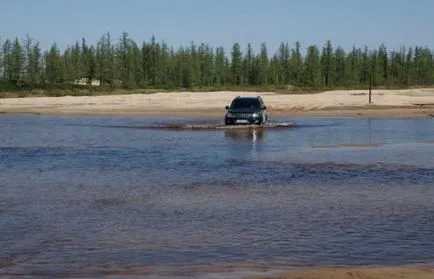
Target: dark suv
246	110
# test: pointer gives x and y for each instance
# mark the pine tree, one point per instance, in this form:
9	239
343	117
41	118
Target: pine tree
28	52
7	60
248	65
263	65
236	65
220	72
146	63
163	66
125	61
206	65
339	67
137	71
105	60
155	51
312	72
296	65
365	68
383	65
35	65
397	67
353	67
53	65
77	63
17	62
1	63
275	71
327	61
68	70
409	68
284	61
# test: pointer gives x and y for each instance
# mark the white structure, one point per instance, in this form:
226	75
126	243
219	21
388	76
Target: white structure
85	81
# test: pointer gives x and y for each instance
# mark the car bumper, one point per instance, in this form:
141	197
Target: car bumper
242	121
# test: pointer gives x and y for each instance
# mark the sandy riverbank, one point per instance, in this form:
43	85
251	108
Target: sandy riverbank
356	273
264	271
330	103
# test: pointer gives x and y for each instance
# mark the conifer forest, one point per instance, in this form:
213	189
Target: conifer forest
121	62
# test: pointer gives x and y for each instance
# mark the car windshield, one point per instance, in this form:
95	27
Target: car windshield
245	103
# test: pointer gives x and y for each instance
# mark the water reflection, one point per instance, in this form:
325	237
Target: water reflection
253	135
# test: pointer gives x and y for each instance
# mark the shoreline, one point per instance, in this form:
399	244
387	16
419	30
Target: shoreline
392	112
263	270
250	271
371	272
352	103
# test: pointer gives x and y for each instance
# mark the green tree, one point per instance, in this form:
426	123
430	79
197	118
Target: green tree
76	62
296	65
36	67
275	71
382	65
205	56
263	65
397	67
146	63
248	65
312	69
220	71
17	62
339	67
155	53
353	67
68	66
28	52
88	62
236	65
7	60
53	65
327	64
284	63
125	61
365	67
105	60
409	68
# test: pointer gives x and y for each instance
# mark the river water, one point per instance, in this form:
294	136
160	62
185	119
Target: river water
93	196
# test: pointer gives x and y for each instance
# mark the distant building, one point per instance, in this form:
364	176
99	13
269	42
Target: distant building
85	81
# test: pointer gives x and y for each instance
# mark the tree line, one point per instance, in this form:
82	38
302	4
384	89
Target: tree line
123	63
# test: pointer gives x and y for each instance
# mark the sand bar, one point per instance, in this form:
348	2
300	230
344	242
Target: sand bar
408	102
356	273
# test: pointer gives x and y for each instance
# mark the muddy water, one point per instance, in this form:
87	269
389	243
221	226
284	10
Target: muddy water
91	196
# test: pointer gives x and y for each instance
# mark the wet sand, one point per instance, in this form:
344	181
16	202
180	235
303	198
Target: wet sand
359	273
386	103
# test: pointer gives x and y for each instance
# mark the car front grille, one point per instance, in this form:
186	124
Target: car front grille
243	115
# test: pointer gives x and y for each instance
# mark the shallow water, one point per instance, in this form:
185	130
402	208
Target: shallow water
87	196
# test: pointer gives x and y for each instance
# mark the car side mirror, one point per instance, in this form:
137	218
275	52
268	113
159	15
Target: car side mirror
264	107
227	107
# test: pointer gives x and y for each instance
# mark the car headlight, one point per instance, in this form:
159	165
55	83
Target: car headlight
229	114
255	115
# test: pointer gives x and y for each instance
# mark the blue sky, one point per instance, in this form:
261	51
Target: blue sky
223	22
